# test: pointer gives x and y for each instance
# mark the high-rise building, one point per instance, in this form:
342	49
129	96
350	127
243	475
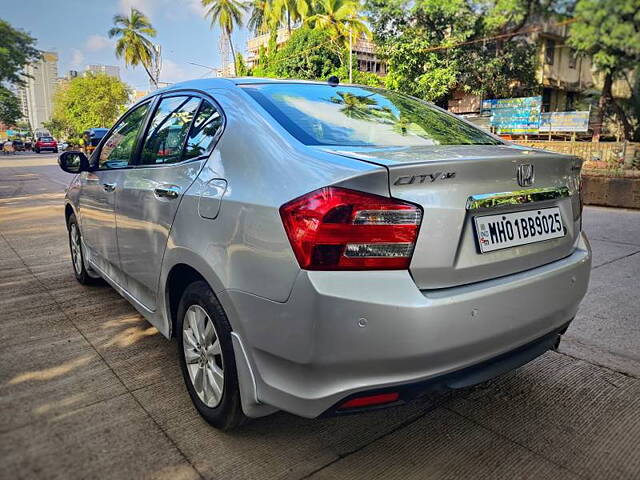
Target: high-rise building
110	70
36	97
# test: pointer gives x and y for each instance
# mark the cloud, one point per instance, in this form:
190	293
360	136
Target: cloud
77	57
145	6
97	42
171	72
196	7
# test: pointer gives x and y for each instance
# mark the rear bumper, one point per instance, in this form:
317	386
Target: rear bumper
466	377
341	333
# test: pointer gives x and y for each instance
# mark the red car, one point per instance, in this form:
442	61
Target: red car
45	143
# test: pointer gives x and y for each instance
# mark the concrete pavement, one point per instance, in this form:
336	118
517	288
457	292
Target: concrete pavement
89	389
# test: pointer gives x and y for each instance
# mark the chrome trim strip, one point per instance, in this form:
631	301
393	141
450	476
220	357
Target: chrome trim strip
487	201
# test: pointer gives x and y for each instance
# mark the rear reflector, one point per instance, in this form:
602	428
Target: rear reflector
339	229
370	401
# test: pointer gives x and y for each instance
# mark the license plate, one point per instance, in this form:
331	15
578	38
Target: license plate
495	232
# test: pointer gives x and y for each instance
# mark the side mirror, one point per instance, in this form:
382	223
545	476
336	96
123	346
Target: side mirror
73	162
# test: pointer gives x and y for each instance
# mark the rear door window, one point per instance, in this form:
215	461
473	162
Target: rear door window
204	132
168	130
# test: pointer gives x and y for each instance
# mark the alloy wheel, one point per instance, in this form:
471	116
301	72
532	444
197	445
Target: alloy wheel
203	355
76	253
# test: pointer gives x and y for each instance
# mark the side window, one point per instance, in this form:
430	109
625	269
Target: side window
118	148
204	131
168	130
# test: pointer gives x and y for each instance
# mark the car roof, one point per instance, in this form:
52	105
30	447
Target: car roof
221	82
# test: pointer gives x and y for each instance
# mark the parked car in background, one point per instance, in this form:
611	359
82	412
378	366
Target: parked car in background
325	249
92	137
18	145
45	144
62	146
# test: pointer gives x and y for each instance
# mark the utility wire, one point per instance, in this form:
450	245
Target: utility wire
527	31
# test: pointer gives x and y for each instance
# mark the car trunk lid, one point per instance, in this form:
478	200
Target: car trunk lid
454	184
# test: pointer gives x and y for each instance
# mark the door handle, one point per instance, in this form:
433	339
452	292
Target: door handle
109	187
169	192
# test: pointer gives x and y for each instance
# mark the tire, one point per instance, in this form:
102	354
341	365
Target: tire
77	255
37	151
222	409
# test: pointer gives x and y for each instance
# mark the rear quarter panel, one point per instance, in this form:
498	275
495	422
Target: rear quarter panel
246	247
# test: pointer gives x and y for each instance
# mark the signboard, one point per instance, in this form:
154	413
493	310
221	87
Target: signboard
564	122
518	116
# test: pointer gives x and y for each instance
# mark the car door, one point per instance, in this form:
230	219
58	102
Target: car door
99	191
179	137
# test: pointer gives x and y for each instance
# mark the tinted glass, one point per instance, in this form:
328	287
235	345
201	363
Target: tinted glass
168	130
118	148
204	131
358	116
46	139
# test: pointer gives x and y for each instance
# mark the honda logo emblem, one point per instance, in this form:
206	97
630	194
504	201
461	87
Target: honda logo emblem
525	175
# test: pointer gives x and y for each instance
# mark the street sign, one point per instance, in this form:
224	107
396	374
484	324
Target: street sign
564	121
518	116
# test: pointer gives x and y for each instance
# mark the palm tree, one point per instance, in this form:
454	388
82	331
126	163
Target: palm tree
340	17
228	14
288	11
361	107
257	22
133	44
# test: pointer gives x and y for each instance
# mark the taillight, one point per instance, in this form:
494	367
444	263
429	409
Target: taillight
339	229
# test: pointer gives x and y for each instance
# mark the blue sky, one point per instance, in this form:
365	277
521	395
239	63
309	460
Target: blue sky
77	31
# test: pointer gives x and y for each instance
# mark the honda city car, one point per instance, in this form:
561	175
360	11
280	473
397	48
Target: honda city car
325	249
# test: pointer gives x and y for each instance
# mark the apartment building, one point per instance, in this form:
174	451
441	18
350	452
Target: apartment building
565	77
36	97
111	70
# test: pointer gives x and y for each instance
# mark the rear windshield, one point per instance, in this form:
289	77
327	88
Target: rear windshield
46	139
361	116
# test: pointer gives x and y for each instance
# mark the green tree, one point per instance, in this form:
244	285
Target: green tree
227	14
133	44
286	12
257	22
60	127
432	48
17	49
308	54
340	18
242	71
10	112
610	33
88	101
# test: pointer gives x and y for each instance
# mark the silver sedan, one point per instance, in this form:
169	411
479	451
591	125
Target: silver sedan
326	249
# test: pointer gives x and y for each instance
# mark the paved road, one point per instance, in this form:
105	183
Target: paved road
89	389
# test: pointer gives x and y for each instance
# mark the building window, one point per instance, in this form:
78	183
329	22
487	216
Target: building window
549	51
546	100
572	58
